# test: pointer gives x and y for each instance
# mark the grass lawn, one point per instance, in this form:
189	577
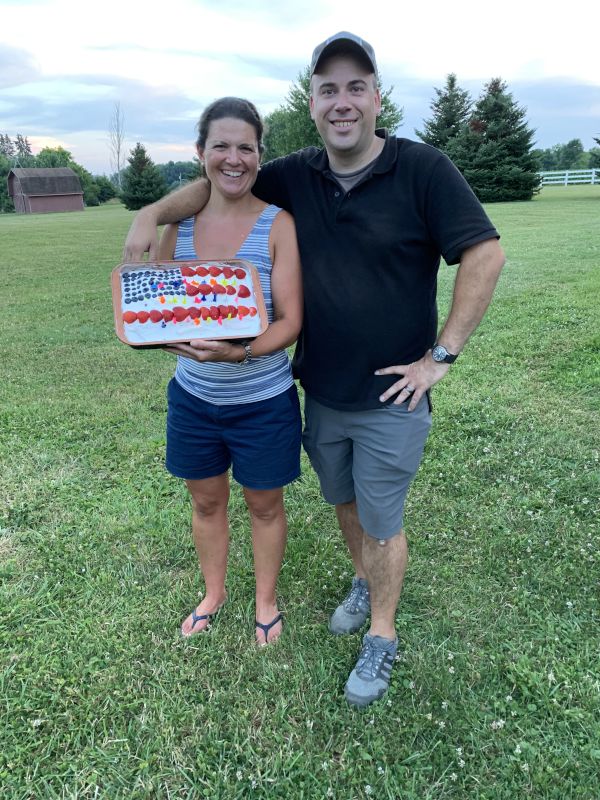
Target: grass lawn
496	692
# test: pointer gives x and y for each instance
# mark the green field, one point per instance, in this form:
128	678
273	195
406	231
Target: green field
496	693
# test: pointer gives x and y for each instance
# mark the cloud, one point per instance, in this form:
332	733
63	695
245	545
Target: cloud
17	66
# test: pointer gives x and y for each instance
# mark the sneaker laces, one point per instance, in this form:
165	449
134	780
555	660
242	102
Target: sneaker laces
370	660
358	597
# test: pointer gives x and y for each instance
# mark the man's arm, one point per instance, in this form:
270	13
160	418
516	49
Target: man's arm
476	279
143	234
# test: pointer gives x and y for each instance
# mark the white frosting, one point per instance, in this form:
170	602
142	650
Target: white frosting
163	331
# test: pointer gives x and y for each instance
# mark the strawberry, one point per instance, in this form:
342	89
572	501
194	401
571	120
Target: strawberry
218	289
232	311
194	312
230	289
223	311
243	291
227	272
204	312
129	316
242	311
180	313
187	271
191	290
240	273
142	316
214	312
253	311
155	315
167	314
214	271
205	288
202	271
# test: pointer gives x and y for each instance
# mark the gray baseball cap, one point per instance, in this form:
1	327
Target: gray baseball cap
343	41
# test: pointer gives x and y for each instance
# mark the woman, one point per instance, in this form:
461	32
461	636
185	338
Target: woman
236	404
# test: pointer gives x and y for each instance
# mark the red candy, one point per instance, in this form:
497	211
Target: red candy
243	291
240	273
129	316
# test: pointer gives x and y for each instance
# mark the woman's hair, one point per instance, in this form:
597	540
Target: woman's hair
234	108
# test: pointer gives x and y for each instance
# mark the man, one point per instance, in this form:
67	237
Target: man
373	214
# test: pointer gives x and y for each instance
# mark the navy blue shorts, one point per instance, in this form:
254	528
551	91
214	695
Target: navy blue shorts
260	440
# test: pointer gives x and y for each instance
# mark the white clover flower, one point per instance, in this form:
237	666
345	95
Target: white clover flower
461	762
239	775
444	704
453	776
368	789
459	751
509	698
441	724
451	670
518	750
498	724
380	770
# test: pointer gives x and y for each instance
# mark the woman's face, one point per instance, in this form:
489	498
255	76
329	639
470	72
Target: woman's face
231	156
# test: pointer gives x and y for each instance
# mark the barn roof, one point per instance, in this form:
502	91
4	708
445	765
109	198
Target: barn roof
46	181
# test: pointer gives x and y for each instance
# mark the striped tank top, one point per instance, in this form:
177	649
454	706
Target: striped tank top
220	382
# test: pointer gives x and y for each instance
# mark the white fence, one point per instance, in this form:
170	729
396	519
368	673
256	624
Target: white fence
569	176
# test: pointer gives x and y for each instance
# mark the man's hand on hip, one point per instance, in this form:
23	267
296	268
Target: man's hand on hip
416	379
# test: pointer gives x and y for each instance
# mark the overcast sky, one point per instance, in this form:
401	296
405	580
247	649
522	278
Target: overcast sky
64	64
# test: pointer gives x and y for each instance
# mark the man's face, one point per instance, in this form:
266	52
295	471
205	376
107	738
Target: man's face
344	105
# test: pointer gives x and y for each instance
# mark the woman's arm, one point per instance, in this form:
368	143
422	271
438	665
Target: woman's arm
183	203
286	291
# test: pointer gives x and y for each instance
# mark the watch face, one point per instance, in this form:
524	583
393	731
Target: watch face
439	353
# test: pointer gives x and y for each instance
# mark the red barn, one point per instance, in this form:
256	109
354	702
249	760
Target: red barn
38	191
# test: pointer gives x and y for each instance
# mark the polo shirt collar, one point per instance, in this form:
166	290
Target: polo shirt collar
384	162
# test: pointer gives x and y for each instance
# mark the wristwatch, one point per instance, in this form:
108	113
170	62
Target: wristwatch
247	358
441	355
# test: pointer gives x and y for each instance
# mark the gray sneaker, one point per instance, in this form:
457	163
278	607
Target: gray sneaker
352	614
370	678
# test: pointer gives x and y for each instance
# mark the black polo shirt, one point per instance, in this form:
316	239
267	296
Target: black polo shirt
370	259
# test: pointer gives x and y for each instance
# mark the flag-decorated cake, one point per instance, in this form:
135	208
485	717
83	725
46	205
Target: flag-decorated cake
157	303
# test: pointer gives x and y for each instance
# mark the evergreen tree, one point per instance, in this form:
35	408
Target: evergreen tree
450	114
24	155
291	128
7	147
6	203
494	150
142	182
